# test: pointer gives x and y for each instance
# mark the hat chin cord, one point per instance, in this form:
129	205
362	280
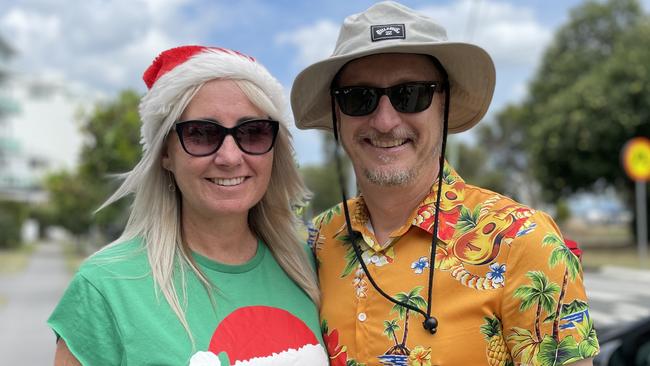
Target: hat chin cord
430	323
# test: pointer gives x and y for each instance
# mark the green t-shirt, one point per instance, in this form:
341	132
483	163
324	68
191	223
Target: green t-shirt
111	313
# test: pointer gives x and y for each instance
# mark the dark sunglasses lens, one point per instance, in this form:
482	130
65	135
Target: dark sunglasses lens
201	138
411	98
357	101
256	137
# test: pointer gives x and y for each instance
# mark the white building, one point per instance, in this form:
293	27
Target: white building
20	173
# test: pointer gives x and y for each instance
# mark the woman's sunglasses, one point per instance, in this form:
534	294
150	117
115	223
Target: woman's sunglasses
410	97
203	137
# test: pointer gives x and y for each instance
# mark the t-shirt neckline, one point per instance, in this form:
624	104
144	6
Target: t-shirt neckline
232	268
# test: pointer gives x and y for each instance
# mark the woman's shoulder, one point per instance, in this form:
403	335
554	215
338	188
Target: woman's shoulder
125	258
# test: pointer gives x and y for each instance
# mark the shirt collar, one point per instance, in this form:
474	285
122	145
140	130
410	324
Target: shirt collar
423	216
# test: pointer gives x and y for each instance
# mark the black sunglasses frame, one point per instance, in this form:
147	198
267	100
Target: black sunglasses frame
232	131
391	92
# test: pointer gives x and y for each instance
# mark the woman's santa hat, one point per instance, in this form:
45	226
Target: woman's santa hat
175	71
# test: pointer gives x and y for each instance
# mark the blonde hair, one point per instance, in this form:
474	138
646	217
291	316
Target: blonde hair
156	211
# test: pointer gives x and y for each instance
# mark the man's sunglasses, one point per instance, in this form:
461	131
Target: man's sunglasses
410	97
203	137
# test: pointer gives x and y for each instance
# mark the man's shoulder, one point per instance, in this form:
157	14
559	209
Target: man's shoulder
488	200
498	208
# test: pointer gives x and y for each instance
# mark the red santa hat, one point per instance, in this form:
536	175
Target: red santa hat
175	71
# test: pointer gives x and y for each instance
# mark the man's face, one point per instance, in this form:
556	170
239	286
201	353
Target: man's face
387	147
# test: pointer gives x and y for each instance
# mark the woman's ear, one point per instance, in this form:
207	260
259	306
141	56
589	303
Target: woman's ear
165	158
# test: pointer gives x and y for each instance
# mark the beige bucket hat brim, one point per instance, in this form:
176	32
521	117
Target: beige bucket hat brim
470	69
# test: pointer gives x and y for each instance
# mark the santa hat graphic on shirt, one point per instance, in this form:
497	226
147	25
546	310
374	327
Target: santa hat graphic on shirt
262	335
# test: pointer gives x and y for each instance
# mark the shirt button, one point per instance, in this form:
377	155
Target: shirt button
361	317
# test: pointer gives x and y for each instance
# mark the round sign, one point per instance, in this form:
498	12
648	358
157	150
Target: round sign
636	159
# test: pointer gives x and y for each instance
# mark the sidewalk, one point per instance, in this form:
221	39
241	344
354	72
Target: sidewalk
31	296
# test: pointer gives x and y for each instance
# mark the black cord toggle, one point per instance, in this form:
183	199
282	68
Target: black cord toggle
430	324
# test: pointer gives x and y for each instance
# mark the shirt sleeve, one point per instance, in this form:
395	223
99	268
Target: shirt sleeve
86	323
545	314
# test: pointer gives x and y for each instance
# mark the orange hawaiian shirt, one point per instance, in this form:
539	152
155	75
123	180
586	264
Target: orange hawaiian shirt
506	289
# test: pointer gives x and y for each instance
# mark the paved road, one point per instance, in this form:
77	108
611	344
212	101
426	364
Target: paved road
618	296
31	296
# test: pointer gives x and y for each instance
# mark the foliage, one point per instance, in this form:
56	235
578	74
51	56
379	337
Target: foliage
111	146
71	201
507	169
12	216
562	211
588	98
324	184
323	180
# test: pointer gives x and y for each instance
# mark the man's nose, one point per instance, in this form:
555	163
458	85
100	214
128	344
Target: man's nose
385	117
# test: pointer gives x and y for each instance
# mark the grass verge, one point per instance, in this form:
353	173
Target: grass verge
15	260
604	244
627	256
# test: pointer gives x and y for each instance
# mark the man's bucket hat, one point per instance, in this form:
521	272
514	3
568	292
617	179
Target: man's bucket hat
389	27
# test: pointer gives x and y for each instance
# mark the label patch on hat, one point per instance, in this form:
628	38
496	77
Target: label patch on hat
387	31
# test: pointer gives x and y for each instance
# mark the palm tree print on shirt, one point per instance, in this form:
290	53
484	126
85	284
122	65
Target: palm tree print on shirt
412	298
536	349
561	254
390	327
540	294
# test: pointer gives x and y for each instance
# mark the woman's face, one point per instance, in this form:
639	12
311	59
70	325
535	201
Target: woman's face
229	181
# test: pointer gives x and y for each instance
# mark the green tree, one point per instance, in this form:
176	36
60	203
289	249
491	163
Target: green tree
473	164
584	43
12	216
71	202
505	162
112	146
587	99
111	132
323	182
323	179
578	137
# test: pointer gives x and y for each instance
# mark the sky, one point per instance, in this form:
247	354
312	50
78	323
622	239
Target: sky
70	54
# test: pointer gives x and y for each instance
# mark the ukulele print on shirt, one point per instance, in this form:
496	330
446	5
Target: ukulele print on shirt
262	335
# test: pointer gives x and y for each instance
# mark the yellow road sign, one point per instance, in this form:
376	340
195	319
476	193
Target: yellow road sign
636	159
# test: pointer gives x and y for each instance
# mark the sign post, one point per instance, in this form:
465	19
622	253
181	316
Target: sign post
636	161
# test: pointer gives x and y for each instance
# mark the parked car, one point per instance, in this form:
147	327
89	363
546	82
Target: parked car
625	346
